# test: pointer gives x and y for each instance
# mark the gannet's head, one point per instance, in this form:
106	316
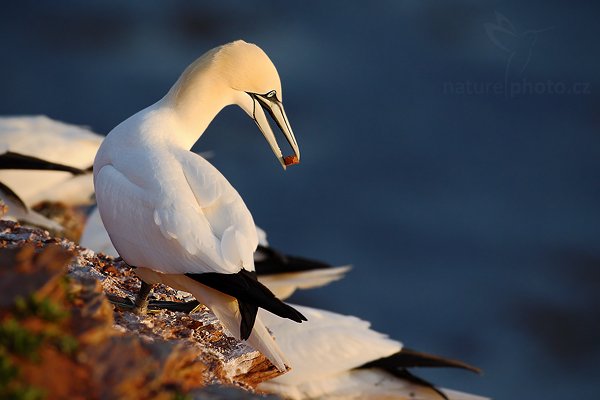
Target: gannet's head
251	81
250	72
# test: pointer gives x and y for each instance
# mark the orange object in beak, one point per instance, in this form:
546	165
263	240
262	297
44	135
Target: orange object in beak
291	160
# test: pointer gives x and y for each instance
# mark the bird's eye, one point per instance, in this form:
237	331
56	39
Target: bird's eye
271	94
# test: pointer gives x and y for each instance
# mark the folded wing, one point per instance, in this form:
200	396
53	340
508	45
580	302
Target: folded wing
166	228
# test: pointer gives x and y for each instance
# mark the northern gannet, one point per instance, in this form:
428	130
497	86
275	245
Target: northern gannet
50	161
17	208
39	137
53	142
283	274
340	357
172	215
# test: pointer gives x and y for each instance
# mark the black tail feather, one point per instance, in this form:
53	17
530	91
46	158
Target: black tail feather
248	291
407	358
397	365
248	312
270	262
11	160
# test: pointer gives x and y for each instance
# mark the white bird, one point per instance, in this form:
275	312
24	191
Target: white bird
17	208
339	357
46	163
54	142
282	274
95	237
172	215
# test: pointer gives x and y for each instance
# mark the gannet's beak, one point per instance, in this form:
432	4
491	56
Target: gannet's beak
274	107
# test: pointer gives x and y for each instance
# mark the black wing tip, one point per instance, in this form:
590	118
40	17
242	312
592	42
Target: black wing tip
408	358
431	360
13	160
276	262
397	364
11	195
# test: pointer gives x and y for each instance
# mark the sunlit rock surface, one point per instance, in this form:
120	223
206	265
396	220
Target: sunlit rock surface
60	337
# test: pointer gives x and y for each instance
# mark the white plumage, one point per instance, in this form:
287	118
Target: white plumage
170	210
328	344
19	211
95	237
54	141
68	144
284	285
325	352
167	210
361	384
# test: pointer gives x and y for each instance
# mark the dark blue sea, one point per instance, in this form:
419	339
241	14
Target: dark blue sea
450	152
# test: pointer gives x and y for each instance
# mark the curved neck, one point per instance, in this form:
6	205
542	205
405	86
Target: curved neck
197	97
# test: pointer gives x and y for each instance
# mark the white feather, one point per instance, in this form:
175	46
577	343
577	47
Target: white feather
327	344
367	384
324	352
54	141
284	285
95	237
262	237
17	212
156	219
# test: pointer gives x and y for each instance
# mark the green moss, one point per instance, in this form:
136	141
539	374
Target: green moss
10	388
17	339
42	308
67	344
181	396
23	393
65	284
8	372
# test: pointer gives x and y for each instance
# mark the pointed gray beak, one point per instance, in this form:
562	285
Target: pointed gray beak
274	108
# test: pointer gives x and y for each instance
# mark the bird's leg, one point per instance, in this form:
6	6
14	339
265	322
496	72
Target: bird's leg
141	300
186	307
120	302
